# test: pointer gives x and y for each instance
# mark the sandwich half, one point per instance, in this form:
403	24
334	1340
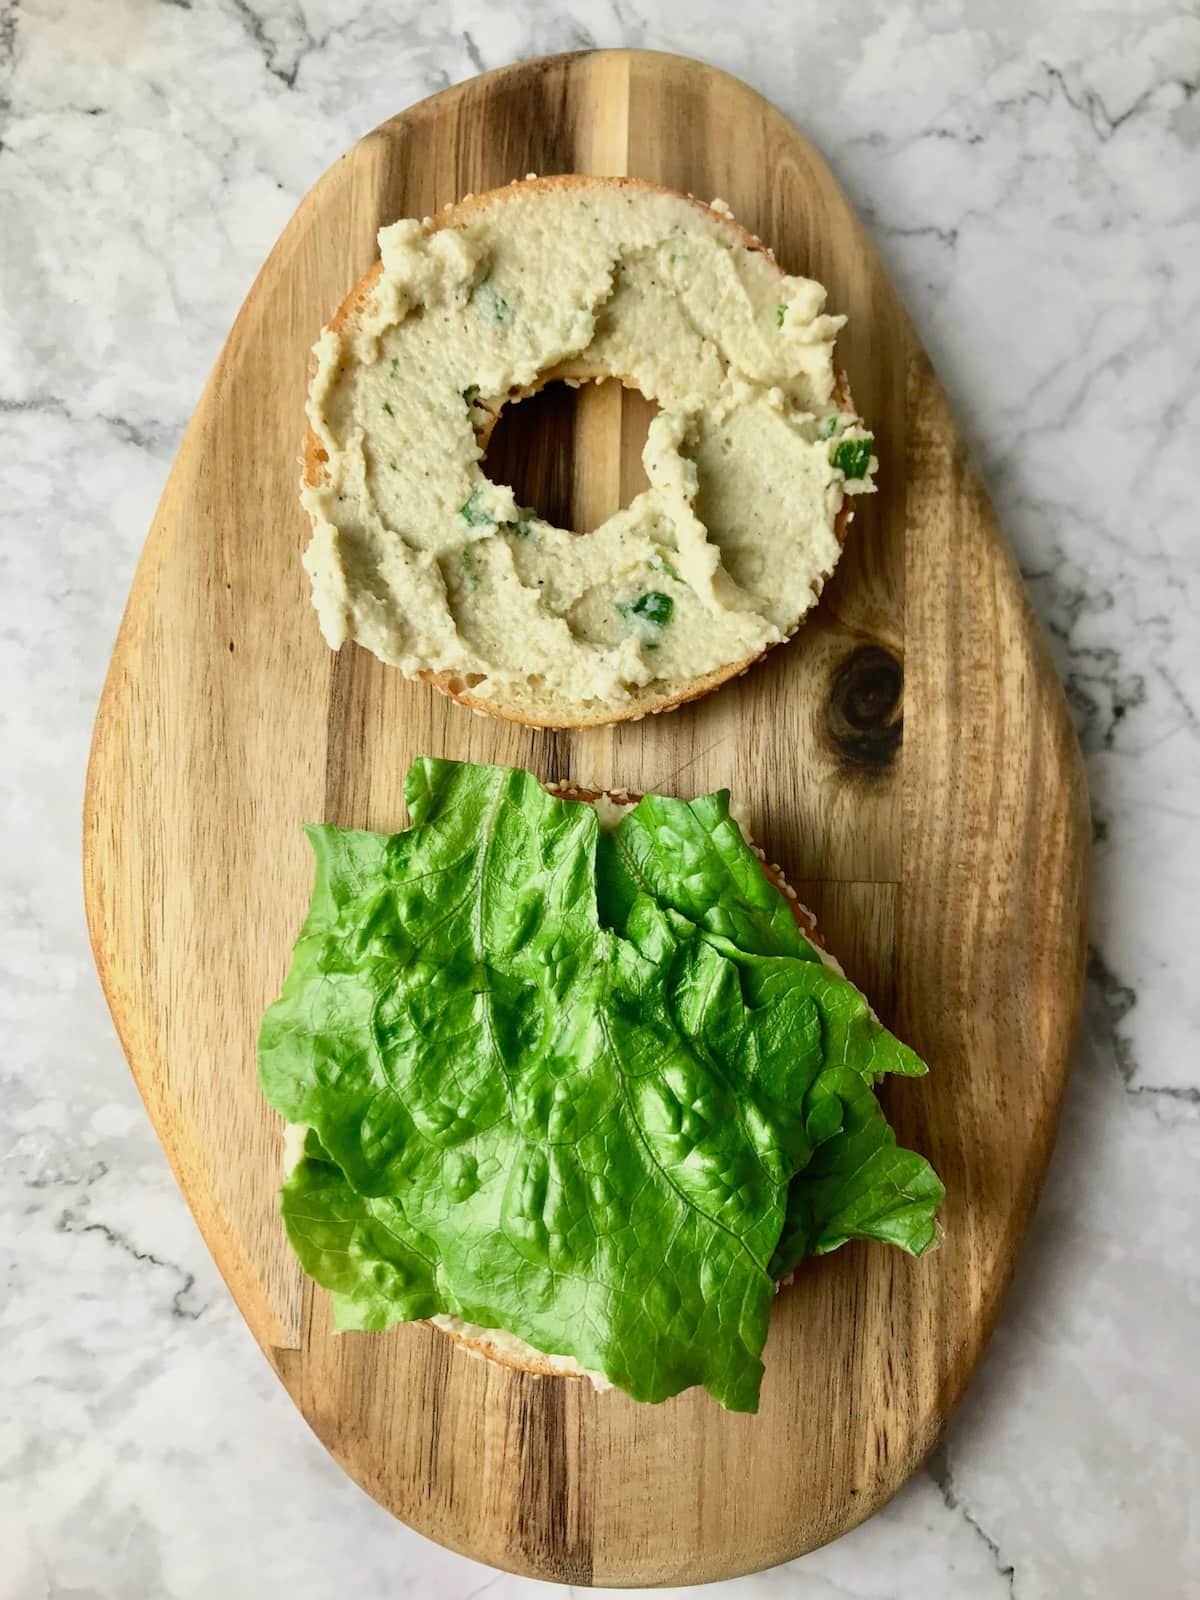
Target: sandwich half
577	1084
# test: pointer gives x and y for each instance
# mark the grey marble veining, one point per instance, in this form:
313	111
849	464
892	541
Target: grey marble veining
1032	176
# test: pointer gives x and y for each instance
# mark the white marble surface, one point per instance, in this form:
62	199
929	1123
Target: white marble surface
1032	175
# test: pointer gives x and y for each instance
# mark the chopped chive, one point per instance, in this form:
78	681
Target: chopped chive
654	608
474	514
853	457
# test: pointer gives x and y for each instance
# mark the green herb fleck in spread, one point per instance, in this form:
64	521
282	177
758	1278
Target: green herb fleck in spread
653	607
470	576
387	406
394	369
780	313
492	303
829	427
853	456
661	565
473	513
471	393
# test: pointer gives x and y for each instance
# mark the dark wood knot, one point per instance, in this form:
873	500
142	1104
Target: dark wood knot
864	714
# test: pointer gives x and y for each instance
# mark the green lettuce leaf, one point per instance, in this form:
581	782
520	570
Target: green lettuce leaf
693	857
570	1085
371	1261
860	1184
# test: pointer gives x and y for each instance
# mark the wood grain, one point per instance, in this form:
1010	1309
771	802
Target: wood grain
908	758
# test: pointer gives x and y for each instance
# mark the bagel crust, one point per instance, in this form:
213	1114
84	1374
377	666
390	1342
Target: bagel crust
752	460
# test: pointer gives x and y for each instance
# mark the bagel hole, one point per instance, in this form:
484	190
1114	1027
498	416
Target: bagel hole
573	454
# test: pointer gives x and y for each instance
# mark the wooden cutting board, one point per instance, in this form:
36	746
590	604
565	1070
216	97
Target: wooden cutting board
908	758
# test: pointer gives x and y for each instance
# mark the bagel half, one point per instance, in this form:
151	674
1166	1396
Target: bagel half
550	711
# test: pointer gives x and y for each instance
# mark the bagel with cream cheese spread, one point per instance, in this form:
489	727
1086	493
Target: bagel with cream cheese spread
752	460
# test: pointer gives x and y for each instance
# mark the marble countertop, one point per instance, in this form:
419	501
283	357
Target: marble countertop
1032	176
